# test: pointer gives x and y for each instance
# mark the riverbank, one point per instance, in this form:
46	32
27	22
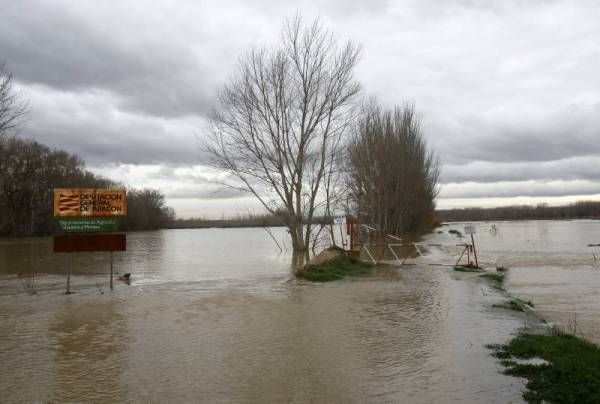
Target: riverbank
565	368
559	366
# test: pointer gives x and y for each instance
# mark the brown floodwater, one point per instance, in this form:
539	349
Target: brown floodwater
552	264
214	315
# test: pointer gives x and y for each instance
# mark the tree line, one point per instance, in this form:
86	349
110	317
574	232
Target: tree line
576	210
29	171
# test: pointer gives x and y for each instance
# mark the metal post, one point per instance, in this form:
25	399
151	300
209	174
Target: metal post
111	270
474	251
469	255
68	292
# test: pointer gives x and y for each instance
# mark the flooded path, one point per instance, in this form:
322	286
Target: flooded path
198	324
551	264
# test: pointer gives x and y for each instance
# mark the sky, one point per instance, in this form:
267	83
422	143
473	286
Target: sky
508	91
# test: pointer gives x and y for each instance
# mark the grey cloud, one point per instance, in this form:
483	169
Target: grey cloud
505	96
143	57
205	193
585	168
86	123
523	188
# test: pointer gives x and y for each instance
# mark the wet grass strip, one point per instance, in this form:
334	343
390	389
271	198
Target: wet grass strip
571	373
514	304
336	269
495	277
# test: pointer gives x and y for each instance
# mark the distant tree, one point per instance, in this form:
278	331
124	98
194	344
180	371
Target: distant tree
393	176
13	107
147	210
279	122
577	210
29	172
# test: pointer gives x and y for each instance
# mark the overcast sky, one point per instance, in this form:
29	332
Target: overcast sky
508	91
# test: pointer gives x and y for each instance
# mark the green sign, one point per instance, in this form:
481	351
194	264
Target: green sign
88	225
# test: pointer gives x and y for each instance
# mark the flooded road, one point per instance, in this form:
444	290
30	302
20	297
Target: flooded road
214	315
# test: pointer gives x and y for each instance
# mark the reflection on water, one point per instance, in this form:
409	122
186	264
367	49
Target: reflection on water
215	315
418	337
87	340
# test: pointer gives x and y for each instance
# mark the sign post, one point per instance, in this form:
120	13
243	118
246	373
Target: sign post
341	222
470	229
88	217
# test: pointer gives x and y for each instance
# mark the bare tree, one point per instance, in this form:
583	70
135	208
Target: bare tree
393	176
12	106
279	122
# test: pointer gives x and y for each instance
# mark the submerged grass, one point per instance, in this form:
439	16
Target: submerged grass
495	277
335	270
456	232
571	373
514	304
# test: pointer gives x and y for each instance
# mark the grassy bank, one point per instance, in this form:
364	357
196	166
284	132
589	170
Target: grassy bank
566	368
336	269
570	374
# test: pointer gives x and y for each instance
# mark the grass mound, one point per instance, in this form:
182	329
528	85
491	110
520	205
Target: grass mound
335	269
571	374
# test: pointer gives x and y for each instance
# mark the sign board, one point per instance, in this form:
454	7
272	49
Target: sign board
469	229
89	242
339	219
79	202
88	225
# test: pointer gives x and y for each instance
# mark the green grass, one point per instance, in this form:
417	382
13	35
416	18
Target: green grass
572	374
335	270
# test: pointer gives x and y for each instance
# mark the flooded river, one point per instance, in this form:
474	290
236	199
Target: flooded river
214	315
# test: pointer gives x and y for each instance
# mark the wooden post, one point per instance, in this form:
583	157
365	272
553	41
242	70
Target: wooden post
111	270
474	251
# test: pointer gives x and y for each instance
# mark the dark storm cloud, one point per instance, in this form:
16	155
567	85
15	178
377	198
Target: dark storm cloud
143	57
88	124
584	168
531	136
509	91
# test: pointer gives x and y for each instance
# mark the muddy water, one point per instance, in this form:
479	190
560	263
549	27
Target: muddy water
551	264
214	315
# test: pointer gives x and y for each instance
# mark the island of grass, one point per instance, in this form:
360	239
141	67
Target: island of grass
570	372
333	264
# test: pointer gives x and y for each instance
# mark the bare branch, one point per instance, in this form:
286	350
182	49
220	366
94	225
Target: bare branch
280	119
13	108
